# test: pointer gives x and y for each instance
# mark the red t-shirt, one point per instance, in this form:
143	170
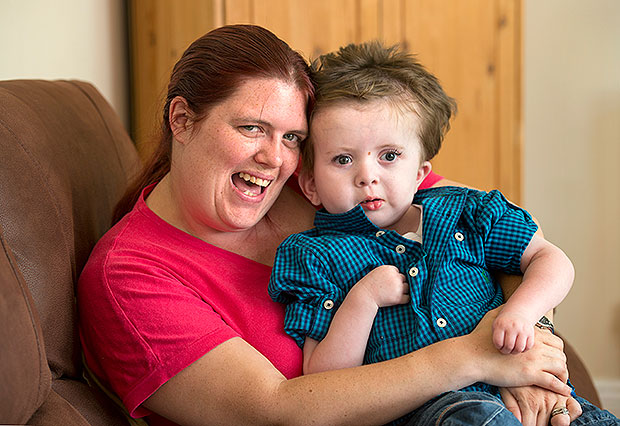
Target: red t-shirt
153	299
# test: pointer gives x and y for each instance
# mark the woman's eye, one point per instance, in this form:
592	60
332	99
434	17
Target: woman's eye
390	156
250	128
343	159
292	140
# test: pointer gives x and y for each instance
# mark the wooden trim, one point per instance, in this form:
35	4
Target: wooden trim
509	99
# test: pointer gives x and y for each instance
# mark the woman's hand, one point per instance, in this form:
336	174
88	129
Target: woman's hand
532	406
544	365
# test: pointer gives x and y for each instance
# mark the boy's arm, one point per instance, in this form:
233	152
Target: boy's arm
509	283
547	277
345	343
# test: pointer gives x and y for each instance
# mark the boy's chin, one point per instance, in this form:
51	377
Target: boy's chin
378	219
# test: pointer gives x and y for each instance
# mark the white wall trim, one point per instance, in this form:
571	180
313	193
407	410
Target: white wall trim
609	391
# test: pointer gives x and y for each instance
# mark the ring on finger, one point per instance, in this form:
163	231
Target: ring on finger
559	410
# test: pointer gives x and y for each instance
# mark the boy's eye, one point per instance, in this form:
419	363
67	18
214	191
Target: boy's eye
343	159
390	156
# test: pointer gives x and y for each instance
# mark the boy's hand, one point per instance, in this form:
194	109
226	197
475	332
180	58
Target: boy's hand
512	333
385	286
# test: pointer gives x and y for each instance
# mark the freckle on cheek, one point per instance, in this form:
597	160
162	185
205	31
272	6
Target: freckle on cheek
368	152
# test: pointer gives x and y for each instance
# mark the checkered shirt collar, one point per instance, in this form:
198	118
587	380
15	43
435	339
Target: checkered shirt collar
353	221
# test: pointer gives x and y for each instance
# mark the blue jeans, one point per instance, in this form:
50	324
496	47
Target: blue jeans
592	415
482	409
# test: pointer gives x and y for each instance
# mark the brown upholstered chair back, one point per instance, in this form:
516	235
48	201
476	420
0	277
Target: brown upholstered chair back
65	160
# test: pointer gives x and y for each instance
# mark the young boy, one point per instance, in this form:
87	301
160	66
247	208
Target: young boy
383	273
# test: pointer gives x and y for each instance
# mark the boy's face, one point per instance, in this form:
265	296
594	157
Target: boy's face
368	154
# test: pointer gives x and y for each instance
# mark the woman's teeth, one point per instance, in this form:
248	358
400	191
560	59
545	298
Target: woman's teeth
253	179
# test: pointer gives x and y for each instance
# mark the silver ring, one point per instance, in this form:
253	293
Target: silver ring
559	410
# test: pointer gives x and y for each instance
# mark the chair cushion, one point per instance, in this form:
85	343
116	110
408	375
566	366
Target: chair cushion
65	162
57	411
24	375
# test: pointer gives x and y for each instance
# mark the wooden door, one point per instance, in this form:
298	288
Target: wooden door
473	47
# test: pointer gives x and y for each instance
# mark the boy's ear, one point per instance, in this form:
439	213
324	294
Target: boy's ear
179	116
308	186
423	171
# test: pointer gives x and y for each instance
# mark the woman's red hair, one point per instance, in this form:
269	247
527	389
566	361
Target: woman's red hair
207	74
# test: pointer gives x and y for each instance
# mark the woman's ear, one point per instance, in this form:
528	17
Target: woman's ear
179	116
423	171
308	186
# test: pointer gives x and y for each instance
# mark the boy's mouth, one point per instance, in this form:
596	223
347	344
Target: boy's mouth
372	204
250	185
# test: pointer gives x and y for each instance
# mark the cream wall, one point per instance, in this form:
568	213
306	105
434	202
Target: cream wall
572	165
67	39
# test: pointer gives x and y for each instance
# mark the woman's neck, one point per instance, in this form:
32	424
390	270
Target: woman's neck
290	214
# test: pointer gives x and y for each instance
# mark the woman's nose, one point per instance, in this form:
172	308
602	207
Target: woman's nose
269	152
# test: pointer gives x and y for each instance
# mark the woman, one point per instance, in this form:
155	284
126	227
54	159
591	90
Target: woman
175	316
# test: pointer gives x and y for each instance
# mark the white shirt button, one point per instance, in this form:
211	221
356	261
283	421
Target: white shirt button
328	304
400	248
441	322
459	236
413	271
379	233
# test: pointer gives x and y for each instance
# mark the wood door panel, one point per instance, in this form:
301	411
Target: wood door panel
455	41
474	48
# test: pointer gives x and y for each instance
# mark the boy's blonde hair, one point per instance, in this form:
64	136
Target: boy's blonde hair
370	71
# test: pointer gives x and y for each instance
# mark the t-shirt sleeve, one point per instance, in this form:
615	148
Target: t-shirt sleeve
301	279
507	231
144	327
431	179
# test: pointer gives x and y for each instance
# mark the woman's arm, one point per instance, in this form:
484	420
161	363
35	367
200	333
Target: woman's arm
234	384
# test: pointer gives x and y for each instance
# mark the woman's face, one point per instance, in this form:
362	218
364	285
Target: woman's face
232	165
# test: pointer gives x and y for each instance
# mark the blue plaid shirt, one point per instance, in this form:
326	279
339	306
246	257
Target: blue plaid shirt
466	234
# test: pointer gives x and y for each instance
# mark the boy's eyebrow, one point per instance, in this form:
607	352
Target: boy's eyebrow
398	146
351	148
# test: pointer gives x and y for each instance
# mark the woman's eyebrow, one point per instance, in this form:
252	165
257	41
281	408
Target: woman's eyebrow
267	123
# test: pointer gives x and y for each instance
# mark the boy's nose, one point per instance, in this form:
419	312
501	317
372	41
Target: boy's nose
366	175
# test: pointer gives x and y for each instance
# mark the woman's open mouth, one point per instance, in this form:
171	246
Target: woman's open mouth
250	185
